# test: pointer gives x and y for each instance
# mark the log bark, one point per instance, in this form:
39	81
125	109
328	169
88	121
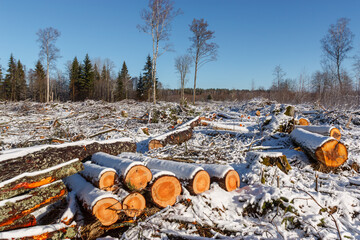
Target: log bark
326	150
43	157
177	136
26	181
239	128
18	207
134	175
102	204
25	221
101	177
52	231
164	188
192	123
323	130
224	175
193	177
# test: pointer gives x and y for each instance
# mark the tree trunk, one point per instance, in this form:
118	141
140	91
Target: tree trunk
103	205
26	181
43	157
177	136
101	177
326	150
133	203
18	207
164	188
69	214
195	75
192	123
134	175
25	221
224	175
195	178
323	130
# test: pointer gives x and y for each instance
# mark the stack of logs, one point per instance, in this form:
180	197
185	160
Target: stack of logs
31	183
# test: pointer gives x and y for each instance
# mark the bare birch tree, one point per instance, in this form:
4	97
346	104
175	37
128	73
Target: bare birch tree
201	49
47	38
158	17
337	43
182	65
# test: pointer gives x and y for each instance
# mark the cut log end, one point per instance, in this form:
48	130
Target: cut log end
303	122
135	203
107	181
201	182
106	210
332	153
165	190
232	180
153	144
138	177
335	133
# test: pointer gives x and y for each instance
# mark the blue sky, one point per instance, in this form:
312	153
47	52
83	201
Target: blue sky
253	35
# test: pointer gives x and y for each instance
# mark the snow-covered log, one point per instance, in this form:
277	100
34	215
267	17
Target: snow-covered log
15	208
69	214
224	175
101	177
134	175
133	203
192	123
164	188
25	221
323	130
324	149
302	122
176	136
30	180
102	204
240	128
16	162
193	177
52	231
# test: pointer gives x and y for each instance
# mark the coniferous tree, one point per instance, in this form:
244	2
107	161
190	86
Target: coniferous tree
74	76
2	91
10	79
87	88
147	78
40	82
140	89
97	83
126	80
119	95
20	85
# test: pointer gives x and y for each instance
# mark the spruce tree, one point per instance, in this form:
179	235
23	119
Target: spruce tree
147	77
40	82
97	79
21	88
140	89
74	76
10	79
2	91
126	80
87	79
119	94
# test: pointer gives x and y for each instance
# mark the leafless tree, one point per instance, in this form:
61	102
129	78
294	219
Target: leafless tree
158	17
182	66
201	49
47	38
279	75
337	43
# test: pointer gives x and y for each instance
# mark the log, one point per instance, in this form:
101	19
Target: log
290	111
52	231
193	177
133	203
192	123
16	162
176	136
164	188
323	130
303	122
224	175
271	159
30	180
240	128
25	221
134	175
324	149
101	177
15	208
102	204
69	214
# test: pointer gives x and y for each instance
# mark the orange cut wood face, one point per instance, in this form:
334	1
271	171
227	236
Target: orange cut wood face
138	177
165	190
335	133
201	182
332	153
135	203
105	210
42	182
232	180
153	144
303	122
107	181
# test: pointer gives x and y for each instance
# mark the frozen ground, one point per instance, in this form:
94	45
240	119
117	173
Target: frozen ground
270	203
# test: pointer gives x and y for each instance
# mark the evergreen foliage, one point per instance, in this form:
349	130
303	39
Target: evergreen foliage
119	95
147	78
74	76
40	82
123	83
140	89
87	79
10	79
20	85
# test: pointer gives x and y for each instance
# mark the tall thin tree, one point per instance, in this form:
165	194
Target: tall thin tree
47	38
337	43
202	50
182	66
158	17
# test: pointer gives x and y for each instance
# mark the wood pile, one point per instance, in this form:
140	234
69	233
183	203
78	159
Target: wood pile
31	182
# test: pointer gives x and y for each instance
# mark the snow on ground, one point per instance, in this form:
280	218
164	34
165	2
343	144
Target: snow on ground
270	203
